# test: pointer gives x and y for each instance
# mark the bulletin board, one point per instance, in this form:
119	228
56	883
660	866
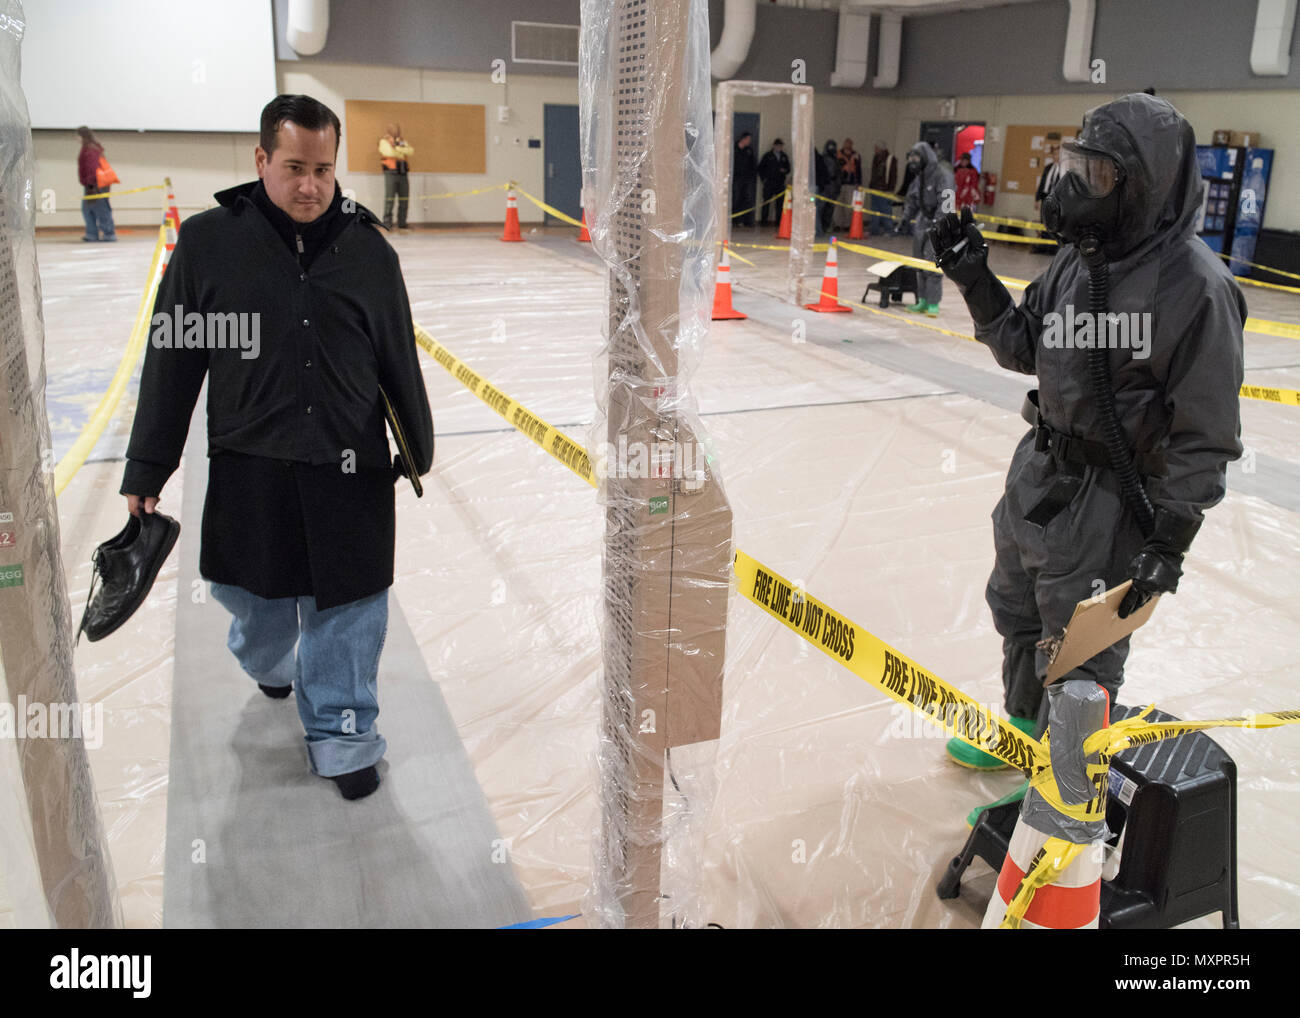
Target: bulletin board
1023	153
447	137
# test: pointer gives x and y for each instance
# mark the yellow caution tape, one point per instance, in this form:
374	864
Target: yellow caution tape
1011	238
1263	325
737	255
885	668
555	442
760	247
118	194
452	194
768	201
891	256
1288	397
987	217
72	461
463	194
551	209
1269	286
1256	265
1045	868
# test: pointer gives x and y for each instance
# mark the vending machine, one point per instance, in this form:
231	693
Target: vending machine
1233	193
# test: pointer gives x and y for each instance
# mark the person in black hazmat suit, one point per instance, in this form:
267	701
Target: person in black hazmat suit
925	199
1131	442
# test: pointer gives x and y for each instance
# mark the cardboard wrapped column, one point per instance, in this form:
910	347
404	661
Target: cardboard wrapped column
35	629
668	524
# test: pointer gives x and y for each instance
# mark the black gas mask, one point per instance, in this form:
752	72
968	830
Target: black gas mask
1086	197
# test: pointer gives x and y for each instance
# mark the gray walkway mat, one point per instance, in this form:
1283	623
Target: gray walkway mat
255	840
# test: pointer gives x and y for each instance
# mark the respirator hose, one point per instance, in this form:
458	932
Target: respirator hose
1103	389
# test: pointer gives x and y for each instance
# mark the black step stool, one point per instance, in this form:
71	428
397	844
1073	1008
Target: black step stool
892	287
1176	804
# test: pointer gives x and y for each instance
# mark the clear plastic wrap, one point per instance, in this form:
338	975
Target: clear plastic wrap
648	163
803	214
51	834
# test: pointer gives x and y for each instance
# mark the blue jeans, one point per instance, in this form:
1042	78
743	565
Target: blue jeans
879	224
335	671
97	214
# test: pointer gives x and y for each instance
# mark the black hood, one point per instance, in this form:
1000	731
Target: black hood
1156	146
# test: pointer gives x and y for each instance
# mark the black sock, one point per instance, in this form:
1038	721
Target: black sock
358	784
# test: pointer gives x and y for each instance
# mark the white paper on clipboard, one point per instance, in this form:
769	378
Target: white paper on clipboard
1094	626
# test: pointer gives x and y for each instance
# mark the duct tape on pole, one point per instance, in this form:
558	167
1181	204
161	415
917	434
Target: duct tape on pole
1051	876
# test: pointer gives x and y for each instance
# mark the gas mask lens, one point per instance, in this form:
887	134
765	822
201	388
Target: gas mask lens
1099	173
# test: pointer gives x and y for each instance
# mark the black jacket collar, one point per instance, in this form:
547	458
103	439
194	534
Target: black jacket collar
229	198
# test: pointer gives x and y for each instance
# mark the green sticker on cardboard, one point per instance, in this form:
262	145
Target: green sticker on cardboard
658	504
11	576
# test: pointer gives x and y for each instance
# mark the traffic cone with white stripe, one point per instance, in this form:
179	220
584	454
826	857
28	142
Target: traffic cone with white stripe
1071	902
855	224
722	309
511	232
829	301
787	220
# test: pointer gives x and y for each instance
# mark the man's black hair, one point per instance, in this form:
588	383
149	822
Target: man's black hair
744	135
302	110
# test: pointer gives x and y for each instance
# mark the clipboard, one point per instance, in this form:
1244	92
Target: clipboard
403	450
1094	626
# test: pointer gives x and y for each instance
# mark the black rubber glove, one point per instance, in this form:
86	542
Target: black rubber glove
962	253
1157	568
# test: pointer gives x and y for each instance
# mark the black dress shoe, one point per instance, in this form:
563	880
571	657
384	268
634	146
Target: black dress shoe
126	567
275	692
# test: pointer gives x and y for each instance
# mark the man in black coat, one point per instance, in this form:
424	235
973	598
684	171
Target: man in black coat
744	180
292	304
773	169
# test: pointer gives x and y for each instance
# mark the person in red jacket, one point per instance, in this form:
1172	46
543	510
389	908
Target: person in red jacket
96	212
967	180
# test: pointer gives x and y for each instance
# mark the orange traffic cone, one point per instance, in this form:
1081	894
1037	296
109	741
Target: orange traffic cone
512	217
722	309
855	224
171	221
1071	902
787	219
830	285
583	236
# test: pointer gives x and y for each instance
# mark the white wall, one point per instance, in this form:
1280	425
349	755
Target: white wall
202	163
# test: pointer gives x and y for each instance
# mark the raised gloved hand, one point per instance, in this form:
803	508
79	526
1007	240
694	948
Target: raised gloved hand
959	247
1157	567
962	253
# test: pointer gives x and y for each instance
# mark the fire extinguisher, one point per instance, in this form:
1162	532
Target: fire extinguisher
990	187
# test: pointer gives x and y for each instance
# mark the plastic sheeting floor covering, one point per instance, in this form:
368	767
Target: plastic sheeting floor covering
863	461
